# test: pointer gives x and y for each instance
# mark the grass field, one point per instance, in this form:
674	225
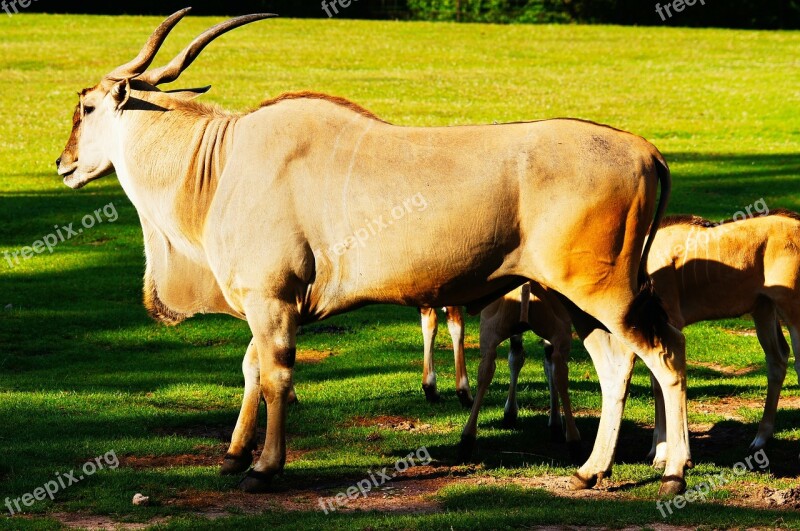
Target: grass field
84	372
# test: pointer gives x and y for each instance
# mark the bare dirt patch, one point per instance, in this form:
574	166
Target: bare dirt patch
389	422
412	492
468	345
727	370
170	461
742	332
729	407
101	523
312	357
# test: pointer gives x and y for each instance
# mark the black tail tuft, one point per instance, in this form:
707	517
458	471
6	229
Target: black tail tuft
647	313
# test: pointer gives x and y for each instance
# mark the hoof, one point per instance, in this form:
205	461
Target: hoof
236	464
671	486
465	398
576	482
431	395
465	448
557	433
575	449
255	482
509	420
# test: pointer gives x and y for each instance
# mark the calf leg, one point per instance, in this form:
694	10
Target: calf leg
455	324
516	360
274	324
776	351
489	343
658	452
560	373
430	325
794	333
554	420
243	440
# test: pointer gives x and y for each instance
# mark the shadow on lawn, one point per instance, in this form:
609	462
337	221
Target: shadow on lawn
718	185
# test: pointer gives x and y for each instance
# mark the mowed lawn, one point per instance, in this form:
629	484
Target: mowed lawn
84	371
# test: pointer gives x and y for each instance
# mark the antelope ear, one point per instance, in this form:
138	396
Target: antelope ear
188	94
121	92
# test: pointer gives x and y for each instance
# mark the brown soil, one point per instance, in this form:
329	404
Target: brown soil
313	356
726	370
729	407
389	422
741	332
415	490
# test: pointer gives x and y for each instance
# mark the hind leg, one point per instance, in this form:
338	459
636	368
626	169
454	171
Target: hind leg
614	366
560	372
776	352
658	452
794	333
490	339
516	360
667	362
455	324
554	420
666	359
429	328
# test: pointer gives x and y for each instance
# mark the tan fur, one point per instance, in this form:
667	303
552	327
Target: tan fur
734	268
243	214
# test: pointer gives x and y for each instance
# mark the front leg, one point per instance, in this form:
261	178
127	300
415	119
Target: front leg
274	325
243	441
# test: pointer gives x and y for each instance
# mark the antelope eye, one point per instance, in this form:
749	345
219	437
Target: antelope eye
87	109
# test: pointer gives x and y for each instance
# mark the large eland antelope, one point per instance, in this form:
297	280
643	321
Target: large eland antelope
253	215
702	271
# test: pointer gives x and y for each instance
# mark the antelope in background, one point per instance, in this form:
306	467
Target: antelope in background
702	271
430	327
238	210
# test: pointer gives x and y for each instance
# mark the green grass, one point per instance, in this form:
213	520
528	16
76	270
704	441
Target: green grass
83	371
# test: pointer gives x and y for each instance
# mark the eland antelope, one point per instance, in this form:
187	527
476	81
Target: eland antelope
702	271
537	309
430	327
252	214
705	271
